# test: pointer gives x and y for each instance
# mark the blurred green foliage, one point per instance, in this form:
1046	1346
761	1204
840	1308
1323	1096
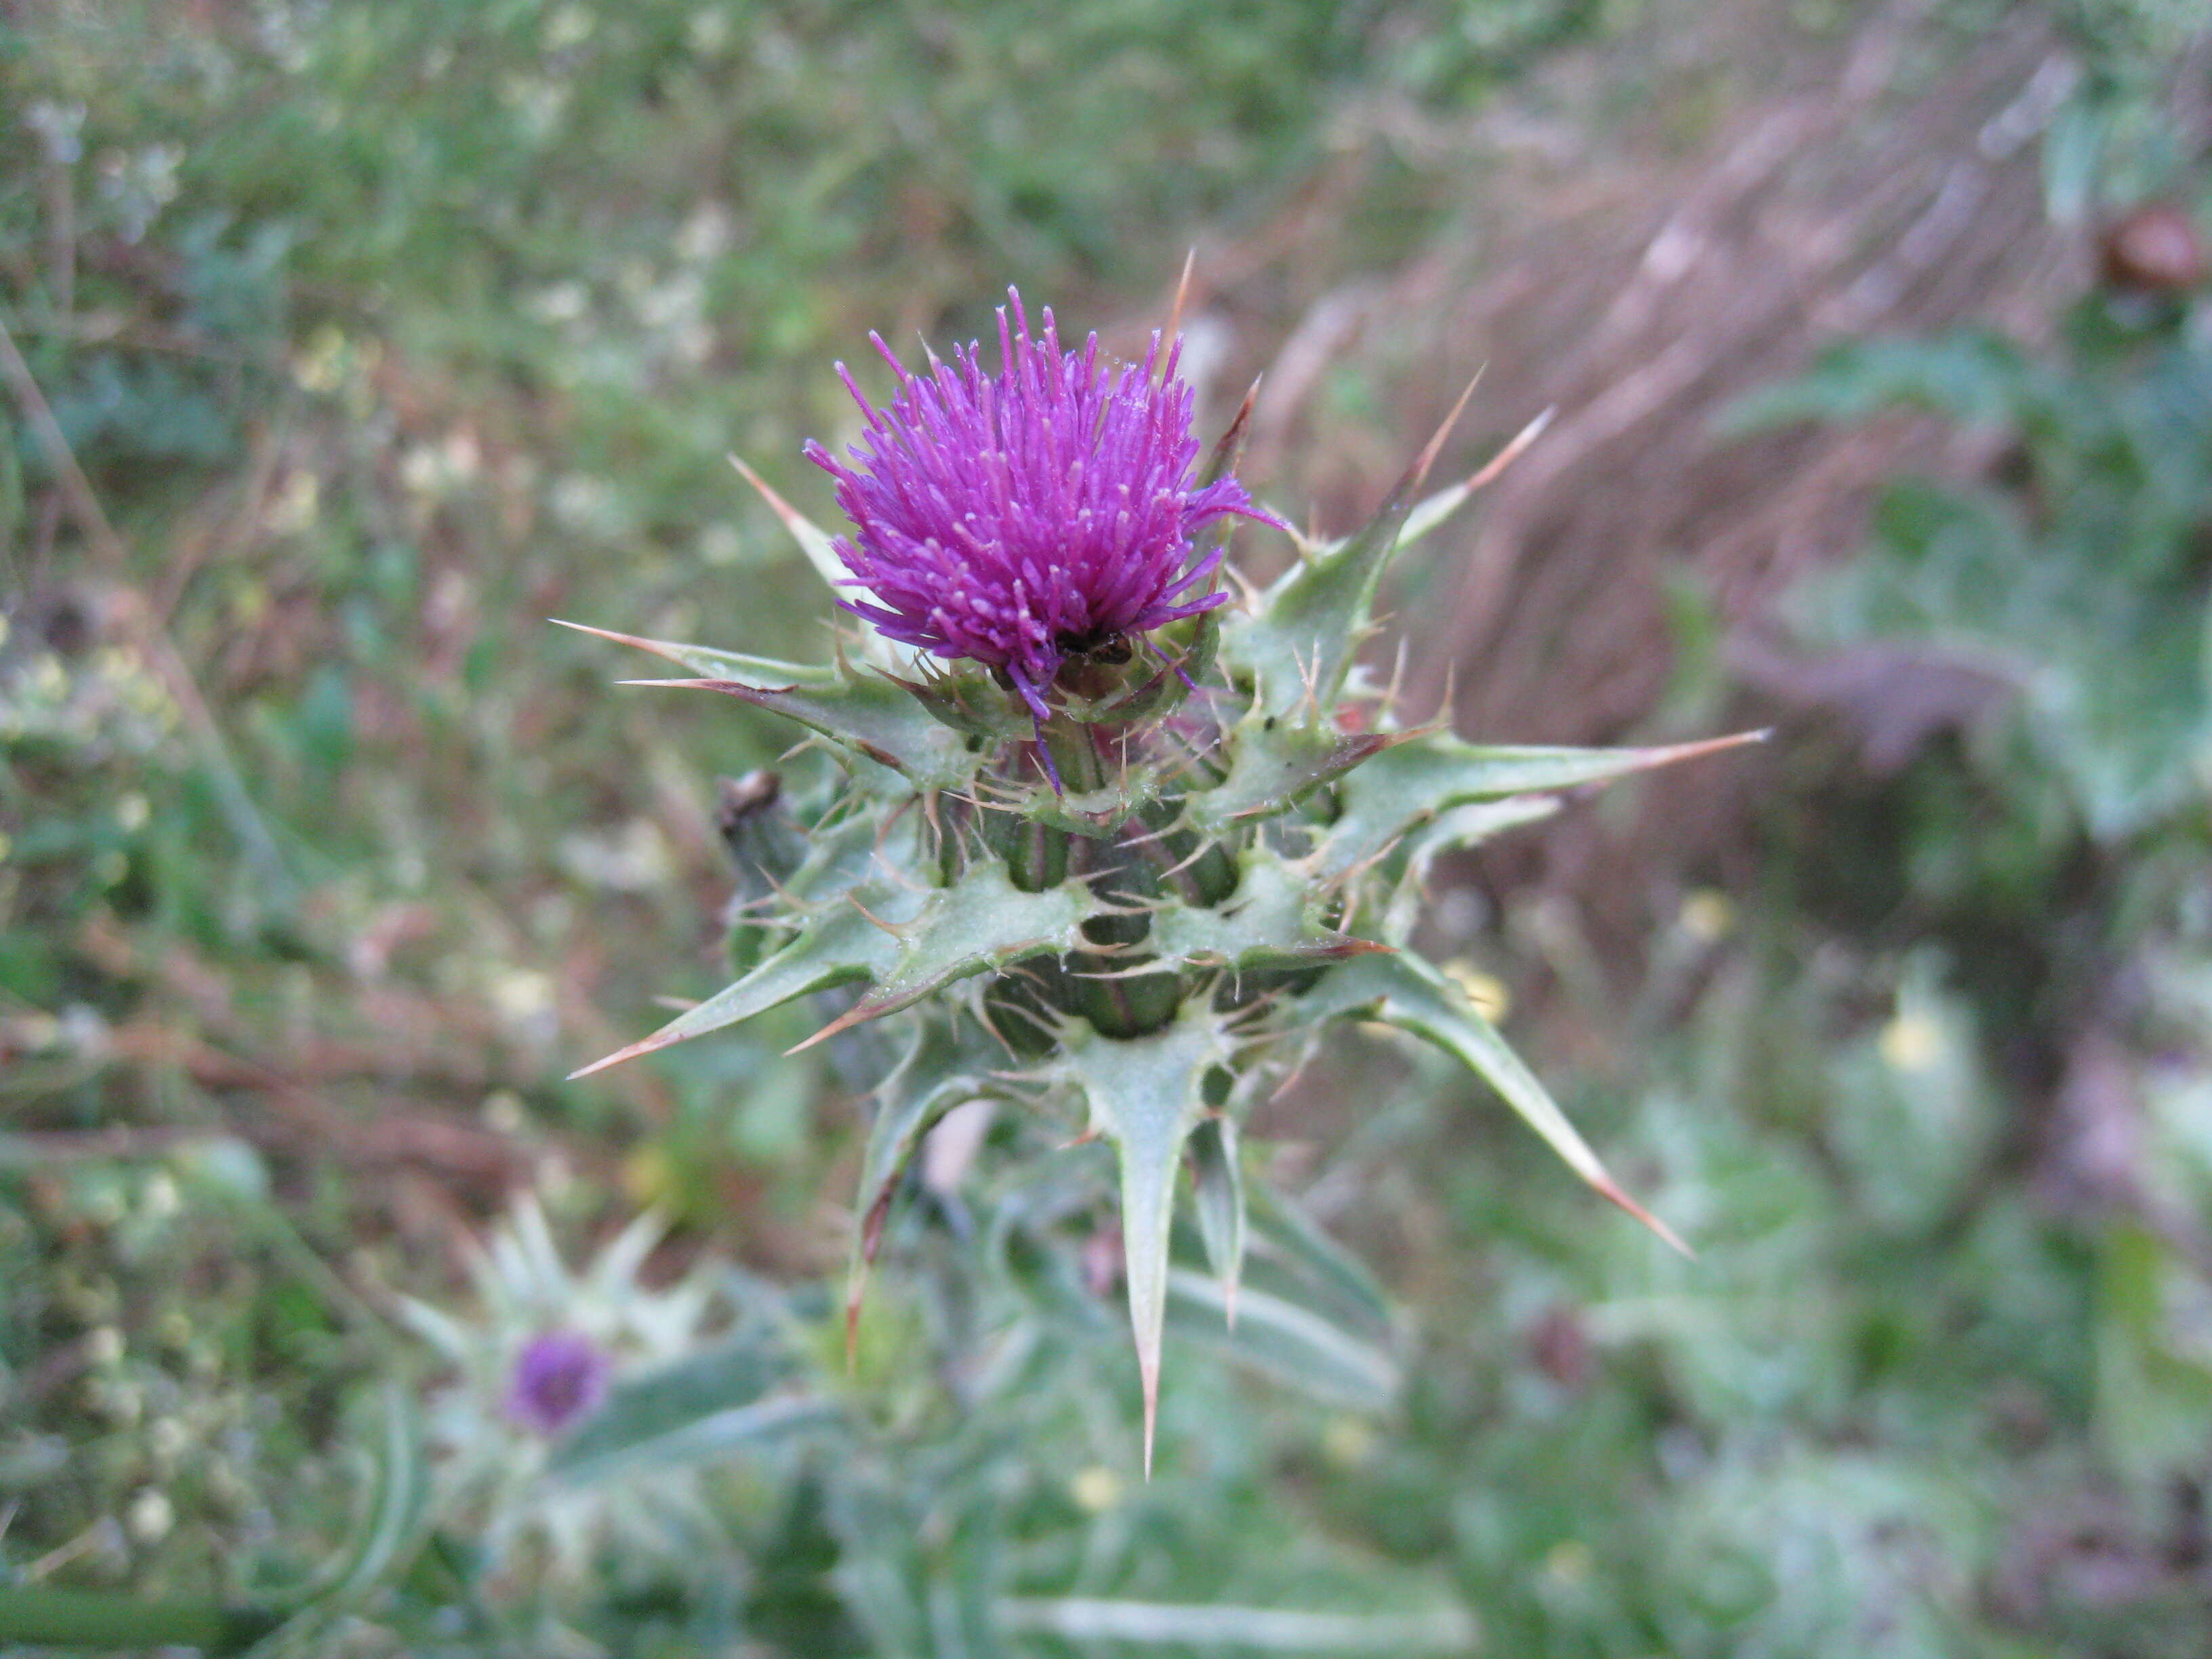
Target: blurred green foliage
2043	843
2077	572
384	331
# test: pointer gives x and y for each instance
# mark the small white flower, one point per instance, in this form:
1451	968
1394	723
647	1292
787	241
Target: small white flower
150	1516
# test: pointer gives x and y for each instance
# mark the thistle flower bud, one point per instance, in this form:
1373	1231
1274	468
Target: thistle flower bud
1023	519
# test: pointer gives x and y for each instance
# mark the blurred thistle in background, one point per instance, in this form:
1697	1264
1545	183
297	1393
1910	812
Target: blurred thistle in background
559	1377
530	1360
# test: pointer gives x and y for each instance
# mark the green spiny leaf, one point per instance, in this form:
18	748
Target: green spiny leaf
842	851
968	701
1297	644
873	717
981	923
1433	510
934	1076
713	664
1272	920
871	714
1093	813
908	941
1410	783
837	947
1468	824
1404	991
1272	762
1147	1094
821	552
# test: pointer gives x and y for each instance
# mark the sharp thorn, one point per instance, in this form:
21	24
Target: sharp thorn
1610	1190
1427	457
1488	471
859	1014
643	1046
782	509
896	933
1181	293
1151	1380
658	647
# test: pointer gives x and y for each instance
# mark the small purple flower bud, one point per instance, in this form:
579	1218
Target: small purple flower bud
1015	520
558	1378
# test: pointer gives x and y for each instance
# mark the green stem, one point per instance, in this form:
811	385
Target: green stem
100	1618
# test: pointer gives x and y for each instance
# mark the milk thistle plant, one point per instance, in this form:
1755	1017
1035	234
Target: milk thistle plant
527	1368
1119	833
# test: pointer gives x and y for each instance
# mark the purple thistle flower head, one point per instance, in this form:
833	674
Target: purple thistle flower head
1018	518
559	1377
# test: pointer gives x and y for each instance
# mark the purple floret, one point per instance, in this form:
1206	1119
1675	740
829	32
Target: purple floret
1018	519
558	1378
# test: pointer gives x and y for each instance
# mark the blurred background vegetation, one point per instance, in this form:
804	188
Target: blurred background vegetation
346	342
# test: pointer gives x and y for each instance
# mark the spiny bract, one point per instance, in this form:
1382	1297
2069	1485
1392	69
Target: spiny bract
1117	851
